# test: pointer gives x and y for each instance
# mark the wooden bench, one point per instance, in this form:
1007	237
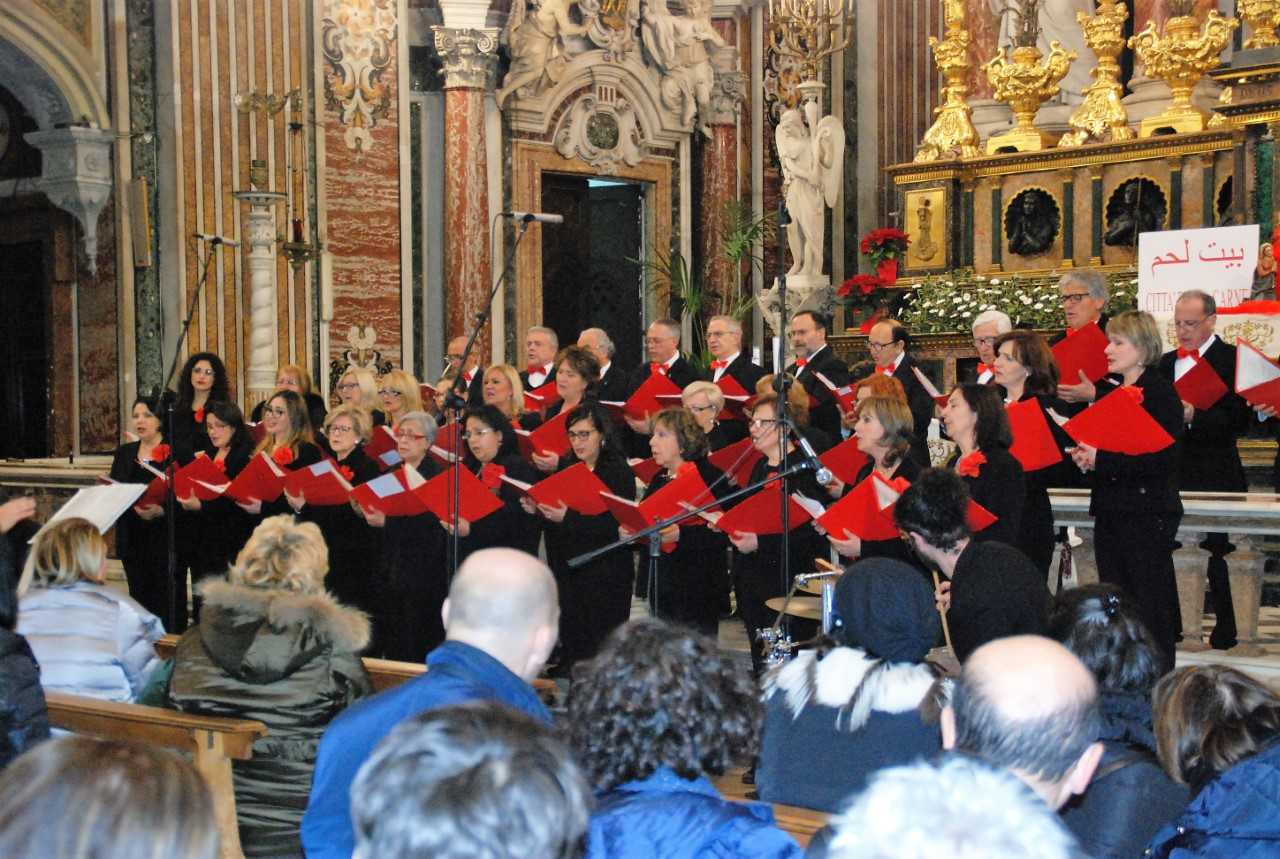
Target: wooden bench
212	741
801	823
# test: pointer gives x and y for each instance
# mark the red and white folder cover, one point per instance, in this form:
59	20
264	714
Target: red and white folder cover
260	480
576	487
1257	376
193	477
321	484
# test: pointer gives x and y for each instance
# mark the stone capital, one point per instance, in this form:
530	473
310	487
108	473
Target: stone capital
729	89
469	56
77	175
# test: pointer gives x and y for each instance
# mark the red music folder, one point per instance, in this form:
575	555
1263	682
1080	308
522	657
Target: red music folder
381	447
761	514
629	514
1201	386
449	437
154	494
541	398
644	402
1118	424
475	501
666	502
257	432
392	493
738	459
1033	443
427	392
845	460
644	469
1257	376
186	479
978	517
846	396
551	437
866	512
576	487
737	400
321	484
261	480
1082	351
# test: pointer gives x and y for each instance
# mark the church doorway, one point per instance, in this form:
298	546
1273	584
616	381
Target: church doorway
24	354
591	274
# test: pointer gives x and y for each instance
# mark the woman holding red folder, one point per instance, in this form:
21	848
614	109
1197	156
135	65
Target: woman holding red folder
596	598
501	387
492	452
577	374
400	394
290	442
975	420
1135	502
203	380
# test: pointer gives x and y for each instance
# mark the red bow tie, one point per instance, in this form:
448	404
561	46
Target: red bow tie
985	368
719	365
536	368
1187	353
800	363
1071	332
658	369
885	369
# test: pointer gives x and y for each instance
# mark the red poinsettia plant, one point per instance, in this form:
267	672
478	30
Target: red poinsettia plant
885	243
859	284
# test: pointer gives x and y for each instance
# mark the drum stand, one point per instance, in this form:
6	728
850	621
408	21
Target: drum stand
778	645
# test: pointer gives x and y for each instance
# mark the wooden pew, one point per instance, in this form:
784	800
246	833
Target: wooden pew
212	741
801	823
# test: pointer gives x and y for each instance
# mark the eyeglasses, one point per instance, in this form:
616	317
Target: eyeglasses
873	346
654	341
697	410
478	433
452	359
716	335
406	435
346	386
1189	324
276	411
1072	298
390	392
581	435
984	341
755	423
339	430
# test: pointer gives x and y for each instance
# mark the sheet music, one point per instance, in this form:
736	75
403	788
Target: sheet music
101	505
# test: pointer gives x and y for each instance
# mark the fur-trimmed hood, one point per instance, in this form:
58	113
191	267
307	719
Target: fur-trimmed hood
850	681
263	635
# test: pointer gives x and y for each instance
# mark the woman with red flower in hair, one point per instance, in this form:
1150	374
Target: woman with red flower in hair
975	420
202	380
290	442
491	453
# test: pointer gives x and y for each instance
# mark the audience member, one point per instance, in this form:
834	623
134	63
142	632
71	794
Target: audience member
1218	732
991	590
470	781
500	622
1130	797
271	645
652	716
82	798
24	720
837	714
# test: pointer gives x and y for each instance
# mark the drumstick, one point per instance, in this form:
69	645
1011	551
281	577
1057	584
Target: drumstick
946	630
825	565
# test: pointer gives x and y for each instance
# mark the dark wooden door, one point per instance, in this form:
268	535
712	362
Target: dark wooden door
24	352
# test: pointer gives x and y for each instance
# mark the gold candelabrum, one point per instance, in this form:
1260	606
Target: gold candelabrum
1262	16
1180	56
810	31
295	247
1023	82
1101	116
952	134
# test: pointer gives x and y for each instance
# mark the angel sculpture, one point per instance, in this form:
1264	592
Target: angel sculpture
812	167
535	40
680	47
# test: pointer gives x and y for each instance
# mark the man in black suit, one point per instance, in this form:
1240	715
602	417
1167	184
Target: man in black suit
814	357
1083	294
613	384
540	347
1209	459
888	341
662	346
724	342
472	378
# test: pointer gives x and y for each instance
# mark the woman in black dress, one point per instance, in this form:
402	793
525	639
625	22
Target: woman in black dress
704	400
595	598
975	420
503	389
141	535
414	570
353	545
289	442
492	452
291	377
203	380
577	377
359	387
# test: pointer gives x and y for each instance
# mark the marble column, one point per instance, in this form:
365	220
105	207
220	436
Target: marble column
719	167
1244	570
1190	568
260	236
470	59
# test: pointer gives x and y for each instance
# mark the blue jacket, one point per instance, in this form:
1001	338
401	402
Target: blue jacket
456	673
667	816
1233	817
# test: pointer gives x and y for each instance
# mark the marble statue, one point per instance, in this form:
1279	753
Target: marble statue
535	40
1057	23
680	48
812	156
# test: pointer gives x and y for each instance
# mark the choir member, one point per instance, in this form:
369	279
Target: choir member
884	432
987	326
662	346
492	452
472	378
613	379
203	380
1135	502
798	411
1025	369
504	391
141	535
686	589
1083	294
358	387
540	347
291	377
724	342
814	356
400	394
1209	459
757	558
872	385
289	442
705	401
220	526
594	598
888	341
353	547
576	373
976	421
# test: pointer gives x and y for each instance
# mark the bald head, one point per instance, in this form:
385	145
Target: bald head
1029	677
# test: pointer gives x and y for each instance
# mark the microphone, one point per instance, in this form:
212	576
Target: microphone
216	240
821	473
528	217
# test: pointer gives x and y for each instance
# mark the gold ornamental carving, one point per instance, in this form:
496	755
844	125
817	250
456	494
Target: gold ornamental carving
1101	116
1023	82
952	134
1262	16
1180	56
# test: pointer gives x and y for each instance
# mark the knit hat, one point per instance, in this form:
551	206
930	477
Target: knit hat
886	608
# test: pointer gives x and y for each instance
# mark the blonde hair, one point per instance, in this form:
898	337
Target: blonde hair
300	430
303	377
282	554
359	416
368	386
512	375
407	385
1140	329
895	416
715	396
797	397
68	552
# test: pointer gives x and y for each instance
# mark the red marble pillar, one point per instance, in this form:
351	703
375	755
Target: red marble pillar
719	185
469	59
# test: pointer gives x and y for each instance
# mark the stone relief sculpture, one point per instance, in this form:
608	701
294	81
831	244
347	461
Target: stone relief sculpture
1031	222
811	152
535	34
681	47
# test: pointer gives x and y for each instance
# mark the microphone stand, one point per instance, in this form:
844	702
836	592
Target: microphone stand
456	398
783	386
170	497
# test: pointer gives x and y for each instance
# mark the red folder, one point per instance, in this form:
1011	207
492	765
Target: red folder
845	460
427	392
644	402
576	487
1201	386
1257	376
1118	424
321	484
442	458
1082	351
261	480
475	501
666	502
541	398
736	399
866	512
762	514
257	432
382	448
155	493
392	493
628	513
450	437
738	459
645	469
550	438
978	517
199	469
1033	443
846	396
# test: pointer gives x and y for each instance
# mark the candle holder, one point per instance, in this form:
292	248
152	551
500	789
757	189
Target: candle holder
809	31
1179	56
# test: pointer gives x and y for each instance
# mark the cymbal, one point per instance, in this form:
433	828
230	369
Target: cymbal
814	586
809	608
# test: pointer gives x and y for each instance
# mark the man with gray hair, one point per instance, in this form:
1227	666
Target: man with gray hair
612	386
1083	294
987	326
501	621
540	347
724	342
